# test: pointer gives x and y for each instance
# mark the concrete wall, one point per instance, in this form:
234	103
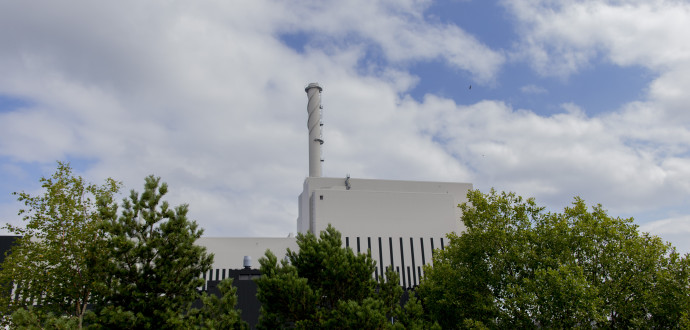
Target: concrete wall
230	251
383	213
381	207
399	222
407	254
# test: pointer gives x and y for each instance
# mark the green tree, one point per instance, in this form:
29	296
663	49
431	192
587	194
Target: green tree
219	312
518	266
27	318
152	264
48	264
325	285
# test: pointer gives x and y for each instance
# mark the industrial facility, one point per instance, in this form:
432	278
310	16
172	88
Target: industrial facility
399	223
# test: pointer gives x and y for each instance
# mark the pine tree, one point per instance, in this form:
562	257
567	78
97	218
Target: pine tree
152	262
219	312
327	286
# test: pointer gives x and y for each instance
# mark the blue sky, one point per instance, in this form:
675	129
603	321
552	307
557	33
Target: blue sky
569	98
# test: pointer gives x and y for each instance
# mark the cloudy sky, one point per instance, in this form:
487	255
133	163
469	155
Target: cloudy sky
567	98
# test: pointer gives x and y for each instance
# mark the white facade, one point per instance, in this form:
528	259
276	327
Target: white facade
230	251
399	222
363	207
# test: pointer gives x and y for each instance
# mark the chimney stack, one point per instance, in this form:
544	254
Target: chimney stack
314	124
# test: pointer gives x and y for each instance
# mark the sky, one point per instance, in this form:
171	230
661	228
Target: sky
568	98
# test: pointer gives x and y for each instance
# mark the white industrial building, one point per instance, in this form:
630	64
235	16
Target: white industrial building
399	222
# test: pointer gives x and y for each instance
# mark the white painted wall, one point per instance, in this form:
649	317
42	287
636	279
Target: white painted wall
381	207
398	222
230	251
384	213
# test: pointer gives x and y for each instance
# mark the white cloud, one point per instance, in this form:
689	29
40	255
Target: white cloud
679	225
208	97
533	89
644	145
399	30
553	158
562	37
674	230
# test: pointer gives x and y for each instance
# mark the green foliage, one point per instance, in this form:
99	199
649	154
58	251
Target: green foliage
28	319
219	312
140	270
324	285
152	264
48	264
518	266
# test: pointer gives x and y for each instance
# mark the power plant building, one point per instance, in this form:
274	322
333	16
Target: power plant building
399	222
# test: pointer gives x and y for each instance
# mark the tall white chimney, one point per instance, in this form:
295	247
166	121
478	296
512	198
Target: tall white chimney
314	125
